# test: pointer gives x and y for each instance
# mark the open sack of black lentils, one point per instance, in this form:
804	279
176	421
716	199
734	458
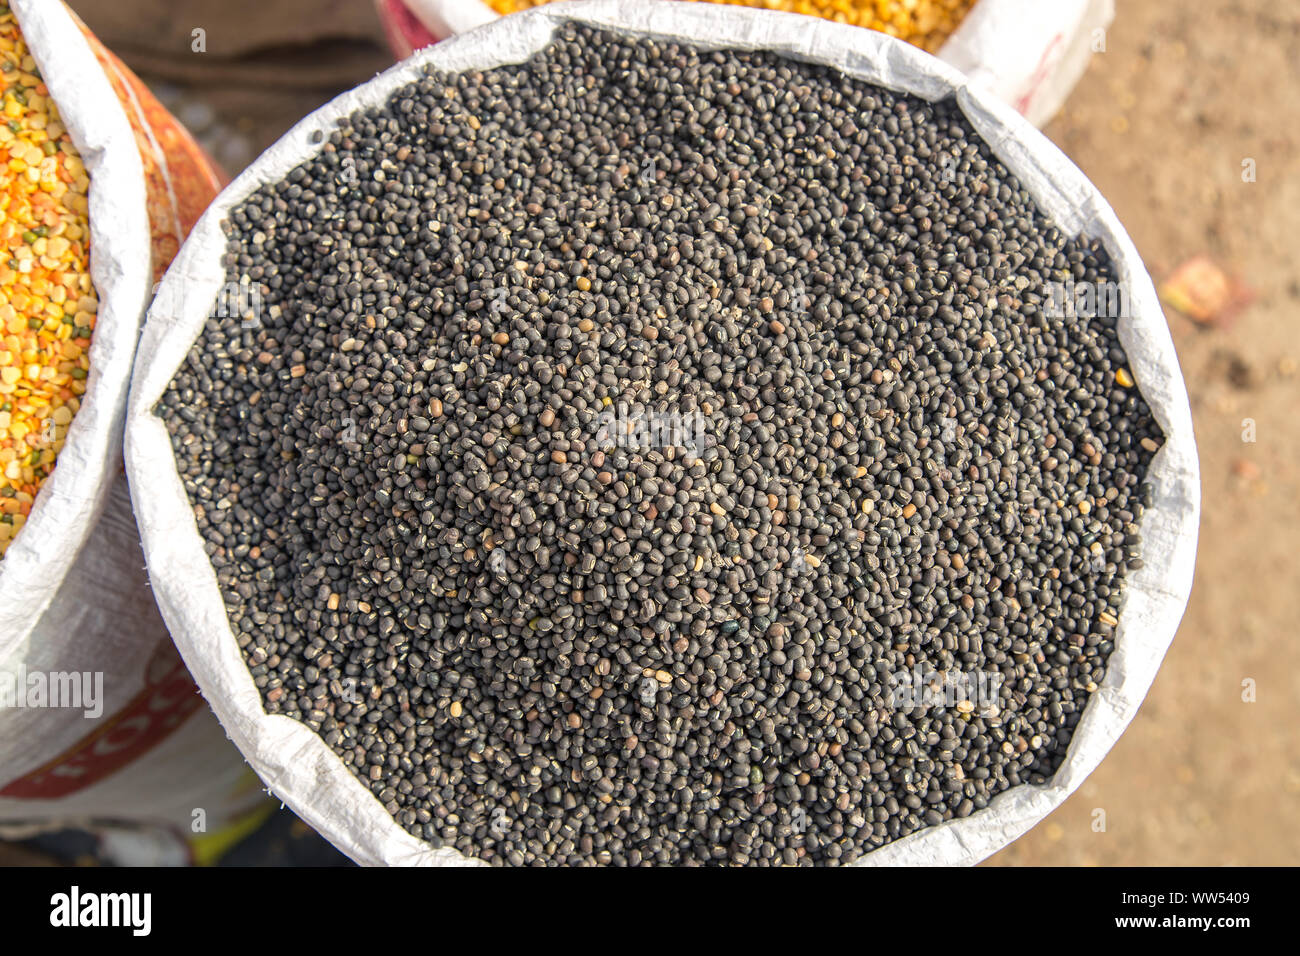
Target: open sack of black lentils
666	433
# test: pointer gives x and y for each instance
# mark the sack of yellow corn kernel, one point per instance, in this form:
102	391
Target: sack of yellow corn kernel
1028	52
99	720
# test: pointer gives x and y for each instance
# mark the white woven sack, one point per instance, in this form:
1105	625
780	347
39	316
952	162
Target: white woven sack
304	772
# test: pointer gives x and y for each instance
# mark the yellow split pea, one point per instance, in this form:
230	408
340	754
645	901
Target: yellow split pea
47	303
925	23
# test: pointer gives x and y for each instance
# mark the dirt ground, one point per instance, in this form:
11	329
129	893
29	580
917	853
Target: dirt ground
1161	123
1185	92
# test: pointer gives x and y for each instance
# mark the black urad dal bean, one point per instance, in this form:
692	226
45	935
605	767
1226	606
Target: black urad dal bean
541	638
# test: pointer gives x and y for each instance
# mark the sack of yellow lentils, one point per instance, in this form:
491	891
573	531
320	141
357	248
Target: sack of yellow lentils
99	719
1028	52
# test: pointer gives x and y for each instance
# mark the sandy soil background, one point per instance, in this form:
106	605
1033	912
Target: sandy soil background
1162	123
1185	92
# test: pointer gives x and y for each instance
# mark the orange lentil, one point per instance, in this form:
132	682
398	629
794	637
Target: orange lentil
47	304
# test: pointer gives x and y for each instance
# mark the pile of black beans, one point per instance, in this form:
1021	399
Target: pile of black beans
644	453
